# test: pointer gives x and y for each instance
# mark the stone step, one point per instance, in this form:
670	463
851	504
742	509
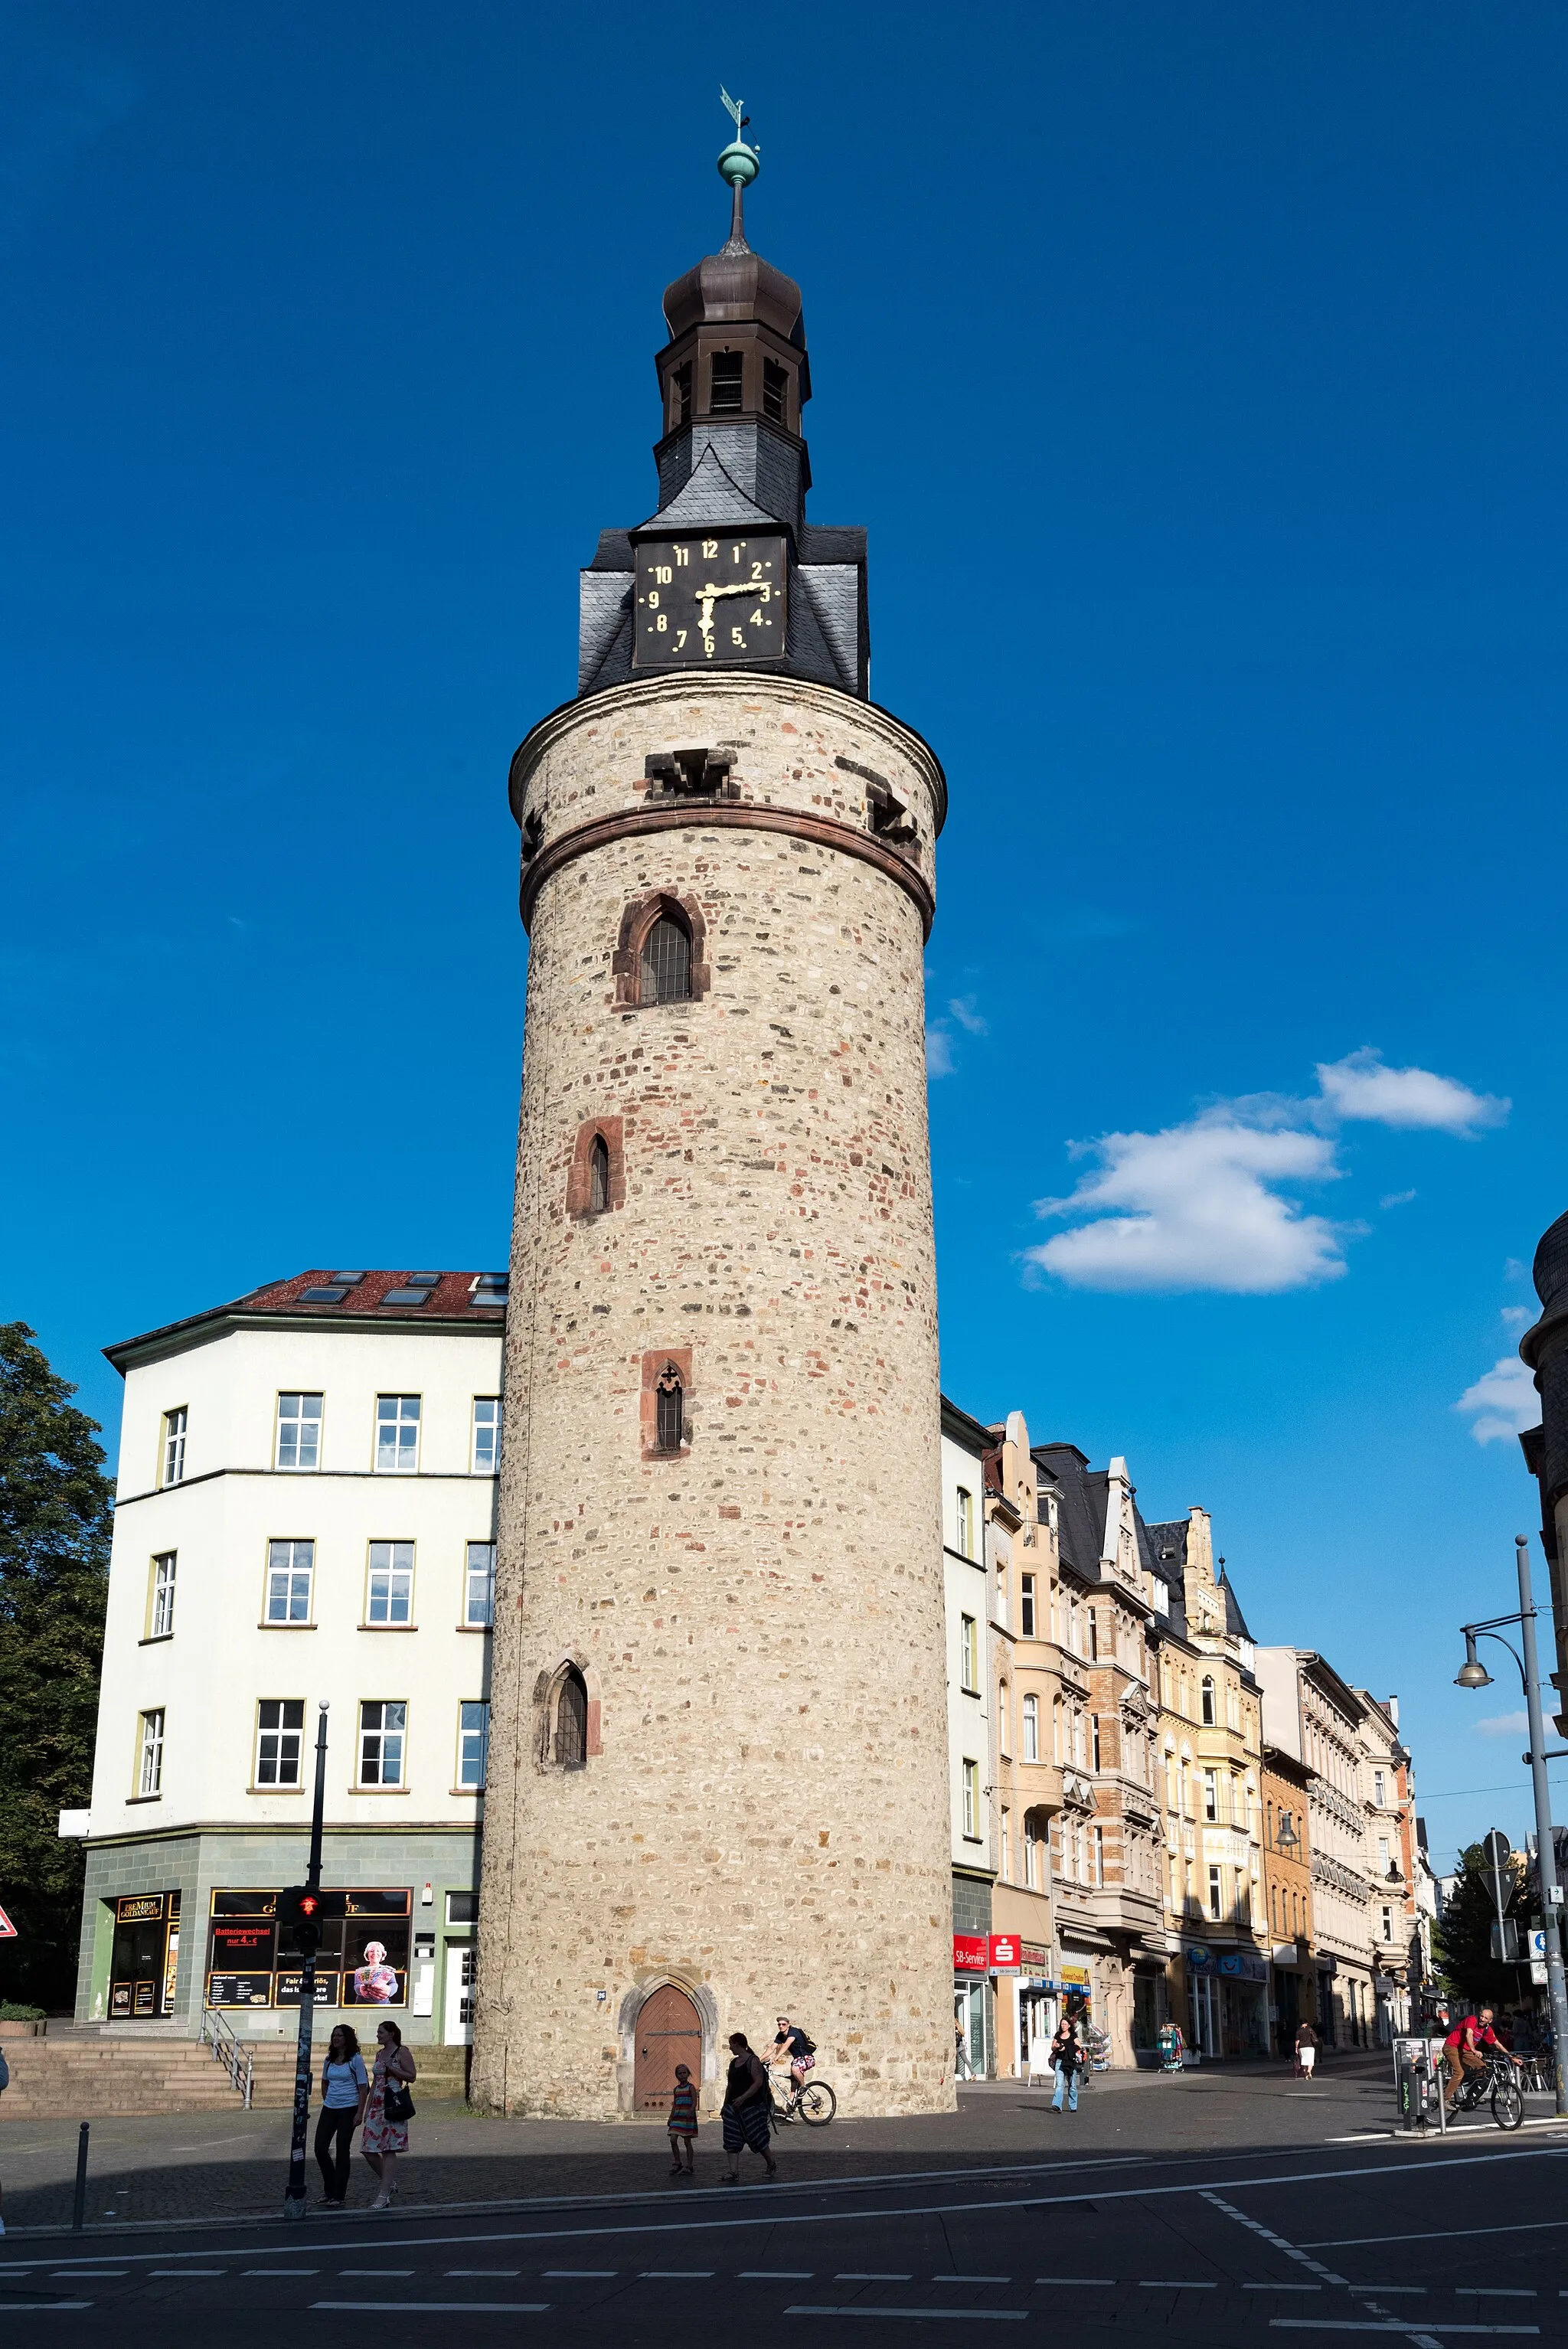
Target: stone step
78	2078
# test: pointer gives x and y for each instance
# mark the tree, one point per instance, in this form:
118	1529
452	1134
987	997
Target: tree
56	1514
1461	1944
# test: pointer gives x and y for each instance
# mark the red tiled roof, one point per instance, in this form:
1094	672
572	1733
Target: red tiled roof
450	1299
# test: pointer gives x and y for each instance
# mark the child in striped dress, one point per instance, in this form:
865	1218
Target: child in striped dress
682	2124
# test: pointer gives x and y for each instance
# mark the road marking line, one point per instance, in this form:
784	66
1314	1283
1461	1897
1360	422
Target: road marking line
869	2275
904	2316
970	2279
1390	2290
1152	2284
37	2307
497	2275
373	2272
1282	2287
272	2271
1291	2250
777	2275
600	2273
1352	2325
1108	2281
676	2275
1492	2292
186	2271
94	2275
1437	2234
440	2307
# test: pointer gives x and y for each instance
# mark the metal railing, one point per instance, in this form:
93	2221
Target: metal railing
230	2050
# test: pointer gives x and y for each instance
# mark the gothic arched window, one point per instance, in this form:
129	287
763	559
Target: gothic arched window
664	976
569	1743
669	1420
599	1177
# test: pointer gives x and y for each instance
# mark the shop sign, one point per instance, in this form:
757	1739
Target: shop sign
139	1909
1006	1954
289	1986
1076	1977
239	1990
1036	1959
970	1953
1235	1965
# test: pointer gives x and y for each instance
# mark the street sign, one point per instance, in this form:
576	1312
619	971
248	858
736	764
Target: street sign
1538	1971
1538	1948
7	1930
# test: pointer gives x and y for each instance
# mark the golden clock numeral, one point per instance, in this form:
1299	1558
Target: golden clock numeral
735	554
653	599
757	571
736	637
756	617
683	555
662	573
680	638
662	623
710	547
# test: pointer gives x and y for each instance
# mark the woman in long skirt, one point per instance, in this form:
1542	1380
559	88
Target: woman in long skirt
748	2108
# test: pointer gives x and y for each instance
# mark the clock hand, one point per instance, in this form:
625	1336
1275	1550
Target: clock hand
756	588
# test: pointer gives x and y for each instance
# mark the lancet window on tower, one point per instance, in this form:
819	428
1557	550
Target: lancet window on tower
570	1743
666	962
669	1409
599	1177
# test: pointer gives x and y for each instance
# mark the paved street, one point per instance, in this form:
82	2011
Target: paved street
1310	2234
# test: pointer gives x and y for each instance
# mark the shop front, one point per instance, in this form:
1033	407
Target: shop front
970	1981
1227	1993
144	1958
364	1959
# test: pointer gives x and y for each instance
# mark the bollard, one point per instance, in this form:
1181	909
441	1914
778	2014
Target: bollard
80	2208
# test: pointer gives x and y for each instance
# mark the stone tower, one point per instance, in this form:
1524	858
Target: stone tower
718	1770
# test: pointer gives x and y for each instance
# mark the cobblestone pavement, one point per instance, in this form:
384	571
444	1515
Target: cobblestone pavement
183	2168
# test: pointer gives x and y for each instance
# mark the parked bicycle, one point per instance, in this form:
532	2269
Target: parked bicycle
1538	2076
812	2101
1497	2085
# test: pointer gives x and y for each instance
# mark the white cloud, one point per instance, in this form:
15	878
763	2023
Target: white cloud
1514	1317
1503	1724
1505	1400
939	1060
1210	1203
966	1011
1362	1086
1199	1212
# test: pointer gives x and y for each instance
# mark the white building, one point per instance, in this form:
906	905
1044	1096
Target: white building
304	1515
971	1752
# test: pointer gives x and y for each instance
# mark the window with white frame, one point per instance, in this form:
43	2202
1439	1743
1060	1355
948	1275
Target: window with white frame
971	1800
1027	1607
1096	1857
280	1736
150	1755
1388	1924
1216	1894
160	1609
299	1432
484	1456
1007	1845
1031	1728
390	1584
396	1434
171	1458
1003	1744
478	1592
1382	1855
473	1743
1031	1851
969	1654
291	1572
1208	1694
383	1727
1377	1783
1211	1794
965	1523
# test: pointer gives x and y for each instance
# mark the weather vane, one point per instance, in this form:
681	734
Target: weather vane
739	162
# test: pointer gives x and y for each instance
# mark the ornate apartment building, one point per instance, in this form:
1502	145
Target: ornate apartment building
1316	1718
1210	1744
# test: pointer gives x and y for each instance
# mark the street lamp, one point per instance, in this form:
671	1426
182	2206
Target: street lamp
1474	1674
1285	1835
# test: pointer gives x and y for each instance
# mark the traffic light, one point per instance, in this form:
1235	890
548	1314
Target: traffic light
299	1917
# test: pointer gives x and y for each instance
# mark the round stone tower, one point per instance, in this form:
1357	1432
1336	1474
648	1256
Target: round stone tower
717	1779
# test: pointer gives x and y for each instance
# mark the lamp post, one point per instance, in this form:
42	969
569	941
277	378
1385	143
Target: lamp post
1474	1674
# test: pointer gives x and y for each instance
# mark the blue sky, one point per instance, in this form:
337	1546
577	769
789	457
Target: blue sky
1200	373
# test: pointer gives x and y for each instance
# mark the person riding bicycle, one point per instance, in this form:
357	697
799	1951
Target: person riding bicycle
792	2045
1461	2050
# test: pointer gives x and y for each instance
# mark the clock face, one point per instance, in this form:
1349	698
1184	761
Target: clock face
710	599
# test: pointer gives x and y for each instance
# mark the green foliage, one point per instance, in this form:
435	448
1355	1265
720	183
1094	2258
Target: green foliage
11	2011
56	1517
1461	1944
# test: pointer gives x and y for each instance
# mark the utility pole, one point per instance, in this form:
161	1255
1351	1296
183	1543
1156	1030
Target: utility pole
1547	1849
306	1913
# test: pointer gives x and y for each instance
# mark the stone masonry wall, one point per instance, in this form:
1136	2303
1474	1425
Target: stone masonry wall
759	1620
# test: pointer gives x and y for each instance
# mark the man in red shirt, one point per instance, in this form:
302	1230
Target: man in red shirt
1462	2049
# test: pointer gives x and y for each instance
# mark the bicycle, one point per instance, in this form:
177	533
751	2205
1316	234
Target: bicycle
1500	2084
813	2101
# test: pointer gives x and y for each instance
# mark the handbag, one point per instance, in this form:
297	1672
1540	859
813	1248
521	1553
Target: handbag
398	2103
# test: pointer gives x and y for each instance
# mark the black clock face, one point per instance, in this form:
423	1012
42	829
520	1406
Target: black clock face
710	599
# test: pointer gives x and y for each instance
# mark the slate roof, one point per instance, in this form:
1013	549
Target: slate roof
1170	1534
1235	1621
1081	1502
707	495
452	1299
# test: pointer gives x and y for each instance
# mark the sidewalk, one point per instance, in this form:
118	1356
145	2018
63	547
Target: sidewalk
195	2166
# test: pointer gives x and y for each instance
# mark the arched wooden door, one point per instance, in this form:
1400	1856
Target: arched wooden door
669	2032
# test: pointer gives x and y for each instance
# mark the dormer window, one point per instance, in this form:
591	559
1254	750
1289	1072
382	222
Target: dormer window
775	391
728	368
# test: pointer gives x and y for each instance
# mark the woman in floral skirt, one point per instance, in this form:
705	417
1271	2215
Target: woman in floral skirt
381	2138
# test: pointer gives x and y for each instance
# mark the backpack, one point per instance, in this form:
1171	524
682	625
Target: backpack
808	2046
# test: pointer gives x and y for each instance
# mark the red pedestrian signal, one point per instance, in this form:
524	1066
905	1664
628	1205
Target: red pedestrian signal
299	1919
